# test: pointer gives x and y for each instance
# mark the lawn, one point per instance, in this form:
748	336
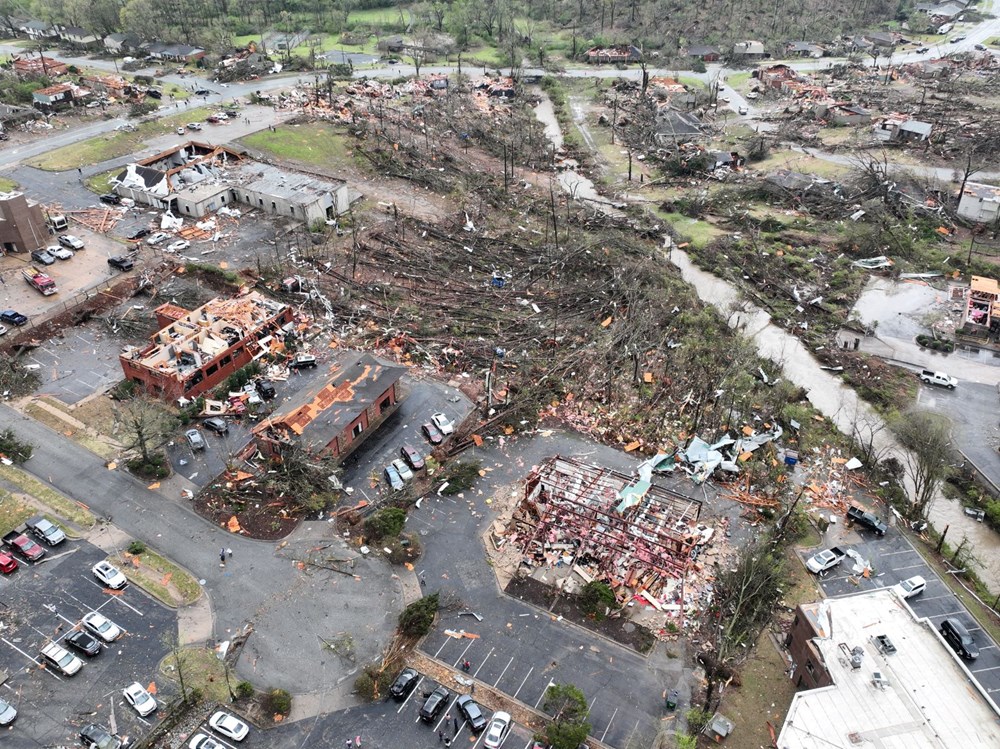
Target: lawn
735	80
315	143
61	505
801	162
7	185
698	233
13	512
114	144
201	669
101	183
381	17
160	577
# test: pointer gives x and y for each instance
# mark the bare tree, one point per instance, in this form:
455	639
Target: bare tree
146	425
927	439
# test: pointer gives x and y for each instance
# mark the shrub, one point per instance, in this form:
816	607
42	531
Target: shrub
596	598
244	690
372	683
460	476
417	618
403	550
136	547
124	390
237	380
364	685
278	702
155	468
386	523
14	448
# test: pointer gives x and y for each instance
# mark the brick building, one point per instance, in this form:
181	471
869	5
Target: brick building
195	351
337	414
22	224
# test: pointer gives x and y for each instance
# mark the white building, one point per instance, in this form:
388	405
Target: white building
979	203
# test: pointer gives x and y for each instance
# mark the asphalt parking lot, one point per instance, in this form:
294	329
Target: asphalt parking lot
894	559
255	739
46	601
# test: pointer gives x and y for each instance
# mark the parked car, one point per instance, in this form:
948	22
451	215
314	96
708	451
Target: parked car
110	575
8	714
60	253
71	241
229	726
138	234
434	704
194	439
201	741
445	425
46	531
84	642
156	238
393	478
43	257
194	126
431	433
265	389
137	696
956	635
981	47
101	626
94	736
472	713
498	730
181	131
404	684
412	457
7	563
911	587
923	50
742	110
60	658
180	244
302	361
217	424
13	317
122	262
111	198
402	469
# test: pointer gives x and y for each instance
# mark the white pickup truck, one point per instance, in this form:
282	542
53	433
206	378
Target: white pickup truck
825	560
938	378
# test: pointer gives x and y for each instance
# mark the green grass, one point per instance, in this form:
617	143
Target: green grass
202	670
13	512
735	80
59	503
182	588
799	162
7	185
101	183
698	233
79	436
377	17
114	145
315	143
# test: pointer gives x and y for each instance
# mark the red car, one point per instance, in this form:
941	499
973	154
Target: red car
432	433
7	563
25	547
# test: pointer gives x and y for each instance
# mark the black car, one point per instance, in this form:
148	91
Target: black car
959	638
13	317
266	390
111	198
83	642
412	457
471	712
404	683
434	704
138	234
203	92
94	736
43	257
121	262
154	93
217	425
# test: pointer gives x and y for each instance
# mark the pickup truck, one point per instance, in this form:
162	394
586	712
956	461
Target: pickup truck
825	560
938	378
867	519
45	531
39	280
17	541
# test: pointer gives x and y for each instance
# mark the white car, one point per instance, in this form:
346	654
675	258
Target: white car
101	626
137	696
229	726
180	244
155	239
60	253
201	741
3	329
194	126
445	425
110	575
910	587
404	470
497	731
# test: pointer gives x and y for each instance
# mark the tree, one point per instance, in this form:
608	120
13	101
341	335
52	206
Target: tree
302	478
927	439
596	598
386	523
568	707
417	618
146	426
13	448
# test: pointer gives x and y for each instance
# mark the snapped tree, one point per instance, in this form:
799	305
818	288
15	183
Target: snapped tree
568	707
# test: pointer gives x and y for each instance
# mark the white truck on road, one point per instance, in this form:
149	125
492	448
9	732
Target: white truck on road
938	378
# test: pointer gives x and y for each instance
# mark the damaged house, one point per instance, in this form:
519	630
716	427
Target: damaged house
195	179
900	129
980	203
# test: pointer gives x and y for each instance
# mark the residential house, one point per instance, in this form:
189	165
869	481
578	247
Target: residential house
980	203
110	85
900	129
723	159
195	351
703	52
804	49
22	224
775	76
748	49
156	49
883	39
982	307
58	96
14	115
118	44
38	31
673	127
784	182
336	415
181	53
613	55
38	67
284	40
842	113
78	37
393	44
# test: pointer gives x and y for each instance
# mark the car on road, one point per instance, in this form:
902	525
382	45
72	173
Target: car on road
229	726
60	658
43	256
3	329
94	736
432	433
7	563
194	439
302	361
956	635
110	575
101	626
443	423
402	469
111	198
202	741
498	730
393	478
71	241
60	253
84	642
404	684
216	424
138	234
923	50
981	47
434	704
156	238
957	39
180	244
266	390
910	587
7	713
13	317
204	92
121	262
742	110
412	457
137	696
472	713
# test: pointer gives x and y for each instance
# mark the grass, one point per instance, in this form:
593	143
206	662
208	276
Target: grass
13	512
202	670
315	143
59	503
160	577
735	80
698	233
801	162
114	144
101	183
82	438
7	185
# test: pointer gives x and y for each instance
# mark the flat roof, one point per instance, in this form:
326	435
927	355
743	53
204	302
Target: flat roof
281	183
929	699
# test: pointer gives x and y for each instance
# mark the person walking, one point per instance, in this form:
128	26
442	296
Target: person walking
440	736
456	726
222	558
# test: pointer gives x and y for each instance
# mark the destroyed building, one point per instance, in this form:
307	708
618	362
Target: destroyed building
900	129
195	351
339	413
979	202
22	224
195	179
601	524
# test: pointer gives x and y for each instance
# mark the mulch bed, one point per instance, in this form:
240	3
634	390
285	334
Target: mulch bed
622	631
257	517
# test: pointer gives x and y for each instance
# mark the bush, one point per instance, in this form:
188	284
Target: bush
156	468
460	476
698	66
596	598
278	702
237	380
140	109
136	547
244	690
386	523
372	683
417	618
14	448
364	685
403	550
124	390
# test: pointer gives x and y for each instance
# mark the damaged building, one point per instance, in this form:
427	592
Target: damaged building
195	179
601	524
339	413
22	224
195	351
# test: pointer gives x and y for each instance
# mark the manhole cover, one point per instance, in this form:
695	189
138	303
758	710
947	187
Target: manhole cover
628	627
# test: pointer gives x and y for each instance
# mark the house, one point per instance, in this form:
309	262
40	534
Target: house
109	85
785	181
842	113
78	37
900	129
882	39
613	55
748	49
703	52
181	53
673	127
723	159
804	49
774	76
980	203
118	44
38	31
982	306
195	351
393	44
337	414
285	41
14	115
38	67
22	224
59	95
870	673
155	49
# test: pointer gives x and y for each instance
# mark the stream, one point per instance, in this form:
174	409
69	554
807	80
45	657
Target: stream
826	392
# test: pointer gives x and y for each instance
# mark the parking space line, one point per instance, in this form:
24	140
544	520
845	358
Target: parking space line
122	601
911	567
30	658
446	641
447	712
551	683
609	725
476	673
412	692
984	670
522	683
936	598
462	656
216	739
504	671
901	551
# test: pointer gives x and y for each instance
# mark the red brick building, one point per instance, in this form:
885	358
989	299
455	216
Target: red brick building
195	351
810	669
337	414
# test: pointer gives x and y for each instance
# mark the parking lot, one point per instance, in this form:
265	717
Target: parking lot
894	559
46	601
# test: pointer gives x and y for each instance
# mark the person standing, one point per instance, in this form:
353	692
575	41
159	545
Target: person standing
222	557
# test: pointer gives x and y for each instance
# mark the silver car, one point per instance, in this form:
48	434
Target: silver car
194	439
